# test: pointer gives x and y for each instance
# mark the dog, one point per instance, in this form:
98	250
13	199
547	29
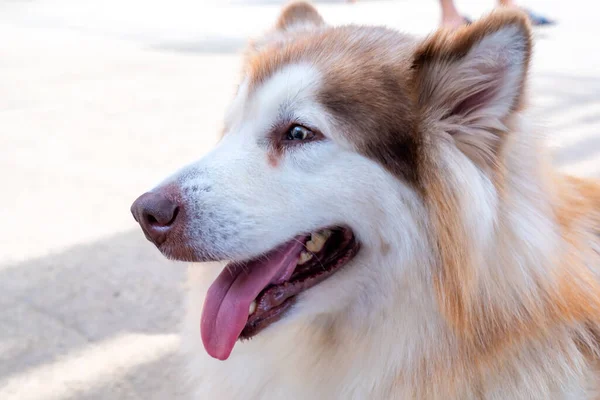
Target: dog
381	221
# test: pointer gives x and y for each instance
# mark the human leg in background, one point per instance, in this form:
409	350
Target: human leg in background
451	18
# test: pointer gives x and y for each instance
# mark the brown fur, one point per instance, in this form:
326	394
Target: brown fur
456	282
364	89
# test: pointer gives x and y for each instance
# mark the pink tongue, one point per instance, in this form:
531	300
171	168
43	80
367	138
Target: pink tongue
228	299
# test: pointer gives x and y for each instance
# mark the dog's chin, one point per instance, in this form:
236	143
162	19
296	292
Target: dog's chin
182	252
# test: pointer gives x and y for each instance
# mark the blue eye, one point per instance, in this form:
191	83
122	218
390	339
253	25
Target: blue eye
298	132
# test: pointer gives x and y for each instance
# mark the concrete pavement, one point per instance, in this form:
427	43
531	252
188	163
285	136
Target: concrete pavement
99	101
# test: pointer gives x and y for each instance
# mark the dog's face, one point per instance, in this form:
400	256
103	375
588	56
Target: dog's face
283	167
351	134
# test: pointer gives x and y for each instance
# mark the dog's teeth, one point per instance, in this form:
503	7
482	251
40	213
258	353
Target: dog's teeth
312	246
317	240
304	257
252	307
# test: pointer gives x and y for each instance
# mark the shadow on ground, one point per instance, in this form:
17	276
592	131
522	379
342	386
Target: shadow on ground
71	315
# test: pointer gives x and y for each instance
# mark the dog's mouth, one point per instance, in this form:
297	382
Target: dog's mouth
248	297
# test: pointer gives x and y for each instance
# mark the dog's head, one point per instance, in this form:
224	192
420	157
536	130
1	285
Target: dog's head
350	157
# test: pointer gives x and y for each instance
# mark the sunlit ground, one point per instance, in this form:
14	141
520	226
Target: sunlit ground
100	100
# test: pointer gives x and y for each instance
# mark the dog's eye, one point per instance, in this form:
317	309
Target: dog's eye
298	132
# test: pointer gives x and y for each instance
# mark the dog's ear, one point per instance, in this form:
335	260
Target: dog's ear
299	15
470	81
295	18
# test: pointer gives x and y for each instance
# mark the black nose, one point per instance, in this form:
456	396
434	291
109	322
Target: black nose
156	214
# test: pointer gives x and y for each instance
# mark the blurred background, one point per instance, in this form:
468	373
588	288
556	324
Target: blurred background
99	100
